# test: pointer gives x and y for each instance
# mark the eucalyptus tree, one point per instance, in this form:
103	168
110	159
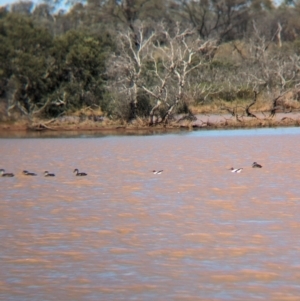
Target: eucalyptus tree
76	71
23	59
159	68
22	7
45	76
223	20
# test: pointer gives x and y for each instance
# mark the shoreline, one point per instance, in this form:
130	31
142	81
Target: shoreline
212	121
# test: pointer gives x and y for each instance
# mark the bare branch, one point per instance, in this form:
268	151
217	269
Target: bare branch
249	114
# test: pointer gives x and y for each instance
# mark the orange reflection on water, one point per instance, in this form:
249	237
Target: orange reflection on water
195	232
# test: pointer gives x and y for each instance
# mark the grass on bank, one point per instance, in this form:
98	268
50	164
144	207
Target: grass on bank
94	119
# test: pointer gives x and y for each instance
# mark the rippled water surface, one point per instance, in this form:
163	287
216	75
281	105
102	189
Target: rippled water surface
195	232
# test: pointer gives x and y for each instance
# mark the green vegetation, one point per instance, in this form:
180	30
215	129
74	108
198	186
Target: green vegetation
132	60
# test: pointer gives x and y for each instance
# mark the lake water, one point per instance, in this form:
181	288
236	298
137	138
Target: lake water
194	232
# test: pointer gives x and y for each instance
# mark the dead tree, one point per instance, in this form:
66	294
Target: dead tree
160	92
275	71
247	110
166	57
277	103
181	53
125	68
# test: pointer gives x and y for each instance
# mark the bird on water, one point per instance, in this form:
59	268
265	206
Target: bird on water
256	165
236	170
47	174
79	174
157	172
4	174
27	173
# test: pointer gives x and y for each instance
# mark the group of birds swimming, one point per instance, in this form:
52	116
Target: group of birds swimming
46	173
82	174
238	170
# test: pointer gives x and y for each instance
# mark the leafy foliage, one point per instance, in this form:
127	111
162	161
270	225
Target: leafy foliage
55	74
53	62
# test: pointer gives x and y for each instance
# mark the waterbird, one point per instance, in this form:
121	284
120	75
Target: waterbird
4	174
79	174
256	165
237	170
157	172
27	173
47	174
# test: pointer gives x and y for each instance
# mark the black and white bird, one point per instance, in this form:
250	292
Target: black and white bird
79	174
47	174
27	173
4	174
236	170
157	172
256	165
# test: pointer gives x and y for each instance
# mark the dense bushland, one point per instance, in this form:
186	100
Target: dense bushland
149	59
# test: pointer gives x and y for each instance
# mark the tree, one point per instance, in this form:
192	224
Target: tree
222	20
75	72
268	68
42	76
23	60
22	7
159	66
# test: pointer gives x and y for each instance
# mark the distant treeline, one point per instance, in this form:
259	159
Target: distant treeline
145	58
